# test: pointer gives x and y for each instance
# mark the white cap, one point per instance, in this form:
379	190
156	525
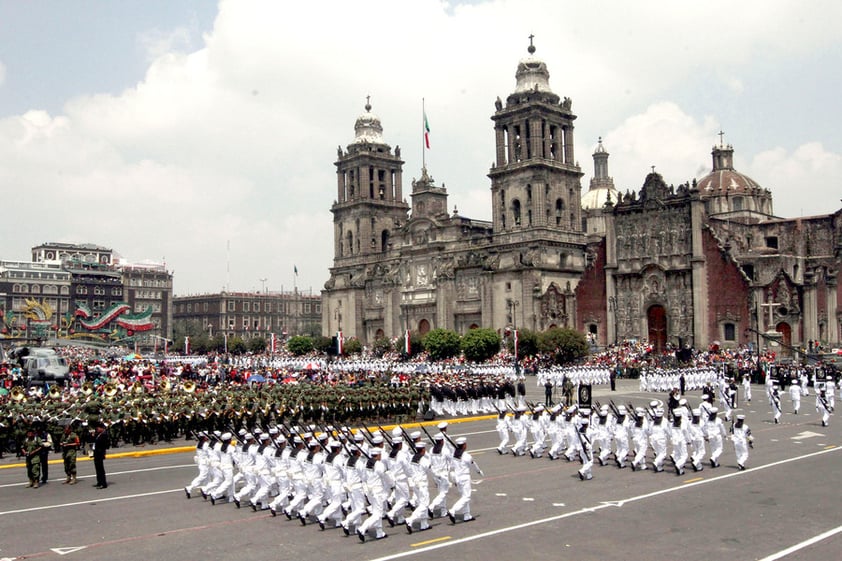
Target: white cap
442	425
461	440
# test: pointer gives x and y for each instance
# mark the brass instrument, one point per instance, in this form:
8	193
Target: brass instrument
87	388
55	393
189	386
165	386
137	388
110	389
17	394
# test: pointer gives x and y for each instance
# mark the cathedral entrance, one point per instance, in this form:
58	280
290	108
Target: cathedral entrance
656	318
786	337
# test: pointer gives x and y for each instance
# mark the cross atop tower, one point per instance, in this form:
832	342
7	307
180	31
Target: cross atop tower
721	137
653	169
531	48
368	103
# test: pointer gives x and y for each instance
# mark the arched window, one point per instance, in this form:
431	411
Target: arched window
516	212
559	208
729	332
384	240
350	240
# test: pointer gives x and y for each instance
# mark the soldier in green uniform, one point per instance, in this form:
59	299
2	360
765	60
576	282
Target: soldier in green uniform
69	445
32	451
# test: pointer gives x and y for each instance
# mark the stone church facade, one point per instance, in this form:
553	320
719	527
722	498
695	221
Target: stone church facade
701	263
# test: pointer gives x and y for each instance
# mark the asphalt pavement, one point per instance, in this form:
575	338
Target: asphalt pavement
785	505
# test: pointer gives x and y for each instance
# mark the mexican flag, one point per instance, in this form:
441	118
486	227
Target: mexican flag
426	131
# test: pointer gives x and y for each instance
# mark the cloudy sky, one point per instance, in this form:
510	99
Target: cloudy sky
171	131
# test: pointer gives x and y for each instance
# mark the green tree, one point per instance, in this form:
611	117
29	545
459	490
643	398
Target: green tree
442	343
300	345
236	345
381	346
322	343
256	345
480	344
527	342
352	346
563	344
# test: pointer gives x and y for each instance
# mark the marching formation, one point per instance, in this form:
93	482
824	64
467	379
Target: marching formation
340	478
625	435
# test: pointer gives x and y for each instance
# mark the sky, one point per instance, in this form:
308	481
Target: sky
203	135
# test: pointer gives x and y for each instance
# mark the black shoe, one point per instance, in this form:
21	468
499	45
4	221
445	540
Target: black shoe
273	511
204	495
253	507
346	531
186	492
634	466
237	502
361	536
391	521
408	528
288	514
213	500
741	466
430	514
321	526
302	519
452	517
715	464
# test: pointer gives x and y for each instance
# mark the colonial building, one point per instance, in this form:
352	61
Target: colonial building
251	314
702	263
397	269
84	292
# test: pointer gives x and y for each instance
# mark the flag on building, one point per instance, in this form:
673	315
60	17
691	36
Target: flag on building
407	343
295	268
426	131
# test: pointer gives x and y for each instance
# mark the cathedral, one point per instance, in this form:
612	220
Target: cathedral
700	264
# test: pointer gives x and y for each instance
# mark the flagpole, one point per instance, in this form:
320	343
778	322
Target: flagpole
423	135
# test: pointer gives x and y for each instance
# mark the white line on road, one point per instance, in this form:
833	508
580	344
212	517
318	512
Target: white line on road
614	504
110	473
93	500
802	545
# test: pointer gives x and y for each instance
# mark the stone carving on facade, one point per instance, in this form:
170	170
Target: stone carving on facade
554	306
421	274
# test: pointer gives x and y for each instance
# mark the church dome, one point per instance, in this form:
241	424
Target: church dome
368	129
724	179
597	197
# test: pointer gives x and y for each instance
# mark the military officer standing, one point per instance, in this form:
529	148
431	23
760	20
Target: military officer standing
31	447
69	446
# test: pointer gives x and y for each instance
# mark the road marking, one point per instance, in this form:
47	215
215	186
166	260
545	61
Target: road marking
110	473
428	542
528	499
604	504
693	480
829	447
92	501
500	494
802	545
558	504
66	550
804	435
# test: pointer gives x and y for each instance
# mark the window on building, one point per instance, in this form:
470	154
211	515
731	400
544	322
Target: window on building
559	209
772	242
729	332
516	212
98	305
81	290
232	306
737	203
117	291
748	269
205	306
246	306
189	308
35	289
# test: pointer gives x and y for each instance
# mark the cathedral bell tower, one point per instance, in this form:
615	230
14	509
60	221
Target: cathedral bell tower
535	181
369	204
